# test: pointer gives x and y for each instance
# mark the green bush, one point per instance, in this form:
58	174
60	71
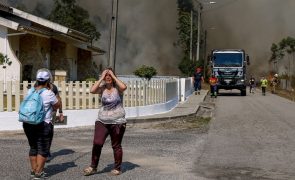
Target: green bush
146	72
187	67
90	79
1	58
4	60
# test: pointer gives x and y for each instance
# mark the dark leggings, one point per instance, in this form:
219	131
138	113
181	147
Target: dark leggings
39	137
116	132
213	89
197	85
263	90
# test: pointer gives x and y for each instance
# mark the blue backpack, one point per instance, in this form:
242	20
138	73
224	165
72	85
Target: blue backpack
32	109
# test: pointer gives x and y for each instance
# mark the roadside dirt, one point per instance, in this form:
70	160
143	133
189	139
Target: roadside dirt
199	121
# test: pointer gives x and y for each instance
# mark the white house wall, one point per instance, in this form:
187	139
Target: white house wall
12	72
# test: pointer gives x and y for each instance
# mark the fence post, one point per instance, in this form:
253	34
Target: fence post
90	96
1	95
9	96
25	89
127	97
182	89
17	95
144	92
70	97
83	94
63	95
77	95
132	94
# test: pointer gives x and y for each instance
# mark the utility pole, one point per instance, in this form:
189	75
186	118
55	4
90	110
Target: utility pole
113	38
191	38
199	31
205	52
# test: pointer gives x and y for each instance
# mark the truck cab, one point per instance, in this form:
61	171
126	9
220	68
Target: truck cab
229	66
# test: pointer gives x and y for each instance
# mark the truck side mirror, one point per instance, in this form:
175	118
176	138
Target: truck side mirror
209	59
248	60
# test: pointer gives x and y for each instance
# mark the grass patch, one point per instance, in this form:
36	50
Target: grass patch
184	123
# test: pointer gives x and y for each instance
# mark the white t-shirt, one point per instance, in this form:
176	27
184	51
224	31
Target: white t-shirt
49	99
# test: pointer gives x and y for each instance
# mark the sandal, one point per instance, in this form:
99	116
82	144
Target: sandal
89	171
115	172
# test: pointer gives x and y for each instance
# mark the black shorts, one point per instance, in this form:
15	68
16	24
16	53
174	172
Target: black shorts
39	137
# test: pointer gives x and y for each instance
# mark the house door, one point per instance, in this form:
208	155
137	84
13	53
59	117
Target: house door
27	73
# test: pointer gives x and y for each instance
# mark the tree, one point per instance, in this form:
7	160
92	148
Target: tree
67	13
278	52
186	66
4	60
146	72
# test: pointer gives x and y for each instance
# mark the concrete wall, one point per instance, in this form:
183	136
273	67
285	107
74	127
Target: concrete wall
78	118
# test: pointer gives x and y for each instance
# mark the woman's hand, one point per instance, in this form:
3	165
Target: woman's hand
103	74
111	73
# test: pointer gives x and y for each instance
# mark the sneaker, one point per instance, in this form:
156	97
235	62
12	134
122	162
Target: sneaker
199	92
32	174
41	175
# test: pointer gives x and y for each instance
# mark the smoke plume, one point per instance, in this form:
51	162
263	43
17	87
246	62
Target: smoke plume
251	25
146	32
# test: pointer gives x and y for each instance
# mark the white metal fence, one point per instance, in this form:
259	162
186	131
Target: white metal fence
76	95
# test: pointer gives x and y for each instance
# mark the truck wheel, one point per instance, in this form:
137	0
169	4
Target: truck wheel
243	92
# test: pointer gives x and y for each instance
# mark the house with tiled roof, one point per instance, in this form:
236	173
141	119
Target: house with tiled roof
31	42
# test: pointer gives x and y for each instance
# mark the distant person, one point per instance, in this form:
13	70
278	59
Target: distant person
111	120
263	83
274	83
198	79
40	135
252	84
213	85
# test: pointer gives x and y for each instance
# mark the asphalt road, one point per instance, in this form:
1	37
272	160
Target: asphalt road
251	137
149	153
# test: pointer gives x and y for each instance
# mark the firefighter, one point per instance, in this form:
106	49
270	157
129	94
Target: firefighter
198	79
263	83
213	85
274	83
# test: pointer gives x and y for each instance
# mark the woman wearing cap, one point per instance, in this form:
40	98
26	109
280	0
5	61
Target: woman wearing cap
40	135
111	120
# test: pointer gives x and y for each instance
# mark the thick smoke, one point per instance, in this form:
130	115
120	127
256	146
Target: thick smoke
146	32
251	25
145	35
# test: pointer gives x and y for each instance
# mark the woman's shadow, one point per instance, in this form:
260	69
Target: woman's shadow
60	167
126	166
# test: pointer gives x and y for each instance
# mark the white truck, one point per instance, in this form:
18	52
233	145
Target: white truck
229	66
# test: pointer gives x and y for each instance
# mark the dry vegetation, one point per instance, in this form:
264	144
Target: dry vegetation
286	94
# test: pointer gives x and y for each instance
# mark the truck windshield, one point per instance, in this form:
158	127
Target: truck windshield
228	59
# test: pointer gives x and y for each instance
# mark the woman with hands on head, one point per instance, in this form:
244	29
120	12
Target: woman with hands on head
110	121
